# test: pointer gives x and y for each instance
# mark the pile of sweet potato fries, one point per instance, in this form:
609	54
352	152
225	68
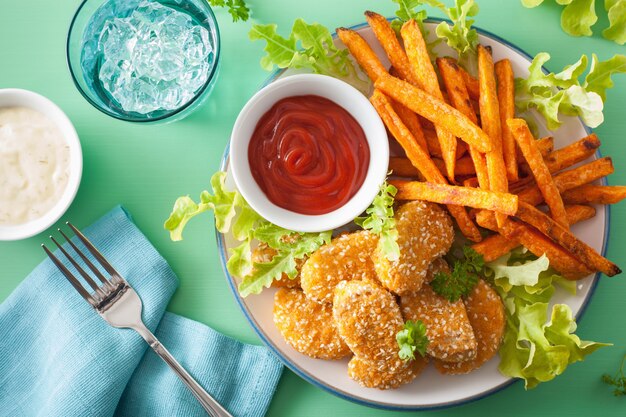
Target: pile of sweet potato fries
465	149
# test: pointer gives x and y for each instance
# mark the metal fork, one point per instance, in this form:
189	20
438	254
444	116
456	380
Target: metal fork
120	306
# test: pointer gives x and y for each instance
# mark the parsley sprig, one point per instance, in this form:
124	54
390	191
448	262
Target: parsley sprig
412	338
237	8
618	381
463	278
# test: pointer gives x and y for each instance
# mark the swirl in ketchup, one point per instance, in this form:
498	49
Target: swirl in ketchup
308	155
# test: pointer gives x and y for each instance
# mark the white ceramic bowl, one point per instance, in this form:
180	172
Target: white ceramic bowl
13	97
345	96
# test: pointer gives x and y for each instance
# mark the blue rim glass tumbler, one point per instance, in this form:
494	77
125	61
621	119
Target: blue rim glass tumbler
86	57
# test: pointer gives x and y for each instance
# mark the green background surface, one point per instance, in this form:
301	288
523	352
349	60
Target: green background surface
146	167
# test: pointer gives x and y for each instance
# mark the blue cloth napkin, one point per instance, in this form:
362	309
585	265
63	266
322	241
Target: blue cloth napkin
59	358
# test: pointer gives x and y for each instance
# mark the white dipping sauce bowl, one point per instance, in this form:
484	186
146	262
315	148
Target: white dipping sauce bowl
345	96
14	97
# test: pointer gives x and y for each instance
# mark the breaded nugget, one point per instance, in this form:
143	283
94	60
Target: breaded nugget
369	375
307	325
368	317
486	315
264	253
425	232
346	257
450	335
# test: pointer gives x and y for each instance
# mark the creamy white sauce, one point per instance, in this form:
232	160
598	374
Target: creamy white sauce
34	165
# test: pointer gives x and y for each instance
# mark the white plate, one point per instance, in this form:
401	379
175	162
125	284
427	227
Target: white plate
430	390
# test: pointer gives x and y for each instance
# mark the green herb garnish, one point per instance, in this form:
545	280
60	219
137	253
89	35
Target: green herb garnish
618	381
232	213
237	8
463	278
315	51
563	93
379	220
412	338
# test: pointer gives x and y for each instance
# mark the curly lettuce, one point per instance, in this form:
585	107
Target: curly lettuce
578	17
308	46
379	220
562	93
233	214
534	348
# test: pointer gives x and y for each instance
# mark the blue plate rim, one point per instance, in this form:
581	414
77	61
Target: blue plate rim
375	404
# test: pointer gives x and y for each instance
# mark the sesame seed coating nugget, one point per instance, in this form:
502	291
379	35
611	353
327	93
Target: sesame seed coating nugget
486	315
450	335
264	253
368	317
307	325
369	375
346	257
425	232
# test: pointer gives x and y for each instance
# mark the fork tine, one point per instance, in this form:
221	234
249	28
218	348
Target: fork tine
95	252
80	270
75	283
91	266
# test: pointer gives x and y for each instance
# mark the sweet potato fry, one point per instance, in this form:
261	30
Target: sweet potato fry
433	142
471	182
390	43
369	62
459	98
566	180
472	84
420	160
490	122
569	155
434	110
560	235
426	79
403	167
545	145
362	53
536	242
498	245
452	194
526	142
555	160
595	194
411	121
506	101
573	153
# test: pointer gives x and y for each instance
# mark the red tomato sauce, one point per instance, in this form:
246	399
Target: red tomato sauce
308	155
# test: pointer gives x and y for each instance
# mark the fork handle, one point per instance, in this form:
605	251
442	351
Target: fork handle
212	407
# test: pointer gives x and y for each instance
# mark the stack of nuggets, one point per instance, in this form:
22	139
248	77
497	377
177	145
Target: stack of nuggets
353	301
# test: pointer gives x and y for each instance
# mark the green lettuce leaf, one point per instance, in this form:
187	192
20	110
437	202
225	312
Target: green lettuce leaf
233	214
461	36
535	349
578	17
599	78
316	51
221	202
262	274
562	93
617	21
379	220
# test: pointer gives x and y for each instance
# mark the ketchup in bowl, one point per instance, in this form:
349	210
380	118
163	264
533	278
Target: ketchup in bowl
308	154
